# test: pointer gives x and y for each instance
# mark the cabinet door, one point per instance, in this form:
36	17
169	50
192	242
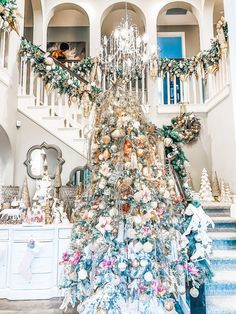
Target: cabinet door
41	266
3	264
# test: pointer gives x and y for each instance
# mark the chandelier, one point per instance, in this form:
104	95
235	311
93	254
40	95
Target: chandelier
124	52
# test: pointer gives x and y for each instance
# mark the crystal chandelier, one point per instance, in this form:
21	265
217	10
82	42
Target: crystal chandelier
124	53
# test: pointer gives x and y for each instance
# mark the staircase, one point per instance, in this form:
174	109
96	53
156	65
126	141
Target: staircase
221	292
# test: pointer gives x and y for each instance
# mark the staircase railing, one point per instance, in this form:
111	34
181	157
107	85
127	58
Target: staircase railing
71	109
194	89
4	49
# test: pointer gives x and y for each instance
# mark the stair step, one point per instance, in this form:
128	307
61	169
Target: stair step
223	282
223	260
221	304
224	222
222	239
223	212
52	118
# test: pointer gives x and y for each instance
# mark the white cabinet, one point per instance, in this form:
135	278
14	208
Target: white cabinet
45	270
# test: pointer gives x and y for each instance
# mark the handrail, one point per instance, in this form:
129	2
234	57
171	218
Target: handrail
63	66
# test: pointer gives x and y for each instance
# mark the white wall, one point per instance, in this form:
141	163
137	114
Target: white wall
30	134
221	125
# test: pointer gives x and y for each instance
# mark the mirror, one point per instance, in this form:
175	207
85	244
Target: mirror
80	175
39	156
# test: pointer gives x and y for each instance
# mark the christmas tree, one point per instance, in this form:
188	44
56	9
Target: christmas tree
205	192
25	194
225	196
134	241
216	188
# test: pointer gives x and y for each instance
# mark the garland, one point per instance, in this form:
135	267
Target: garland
54	76
204	62
8	15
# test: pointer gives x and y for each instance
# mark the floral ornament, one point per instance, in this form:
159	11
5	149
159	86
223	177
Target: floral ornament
8	15
108	263
104	225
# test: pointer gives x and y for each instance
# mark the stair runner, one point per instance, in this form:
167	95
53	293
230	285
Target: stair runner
221	292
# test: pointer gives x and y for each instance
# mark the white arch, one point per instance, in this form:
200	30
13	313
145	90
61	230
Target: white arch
62	5
196	10
131	3
6	158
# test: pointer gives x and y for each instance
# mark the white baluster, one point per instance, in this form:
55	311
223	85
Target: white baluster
31	81
175	90
162	91
59	105
143	87
2	48
188	90
185	88
24	77
38	90
181	91
194	83
168	88
200	90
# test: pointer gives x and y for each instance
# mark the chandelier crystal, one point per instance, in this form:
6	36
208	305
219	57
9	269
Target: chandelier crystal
124	53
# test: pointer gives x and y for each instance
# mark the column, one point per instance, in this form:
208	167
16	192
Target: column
206	27
95	36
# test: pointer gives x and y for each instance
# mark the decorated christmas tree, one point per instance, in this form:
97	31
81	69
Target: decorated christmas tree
25	194
135	239
205	192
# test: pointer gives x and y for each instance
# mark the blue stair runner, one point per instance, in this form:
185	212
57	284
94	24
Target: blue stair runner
221	292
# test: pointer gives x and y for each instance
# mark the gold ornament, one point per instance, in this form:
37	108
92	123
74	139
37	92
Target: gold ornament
106	154
127	148
169	305
194	292
140	152
106	139
168	142
135	263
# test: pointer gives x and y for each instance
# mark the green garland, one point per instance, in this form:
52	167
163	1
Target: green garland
8	15
205	62
54	76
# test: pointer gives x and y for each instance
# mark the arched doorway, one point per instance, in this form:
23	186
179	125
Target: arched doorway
114	14
69	24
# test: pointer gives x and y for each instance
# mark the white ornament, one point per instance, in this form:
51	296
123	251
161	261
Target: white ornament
138	246
131	233
148	247
138	220
82	274
148	276
143	262
122	266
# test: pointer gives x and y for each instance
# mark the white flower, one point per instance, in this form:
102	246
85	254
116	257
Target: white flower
148	276
82	274
104	224
105	170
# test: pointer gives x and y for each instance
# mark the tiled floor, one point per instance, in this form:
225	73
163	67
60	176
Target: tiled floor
32	307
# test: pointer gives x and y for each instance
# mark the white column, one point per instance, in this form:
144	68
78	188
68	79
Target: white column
206	27
95	36
230	14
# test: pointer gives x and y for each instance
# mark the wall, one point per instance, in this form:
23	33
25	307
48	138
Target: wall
37	137
223	146
192	39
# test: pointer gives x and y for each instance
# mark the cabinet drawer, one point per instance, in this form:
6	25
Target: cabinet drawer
4	234
38	281
64	233
26	234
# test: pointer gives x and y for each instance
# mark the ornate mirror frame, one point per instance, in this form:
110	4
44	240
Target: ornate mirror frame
46	146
